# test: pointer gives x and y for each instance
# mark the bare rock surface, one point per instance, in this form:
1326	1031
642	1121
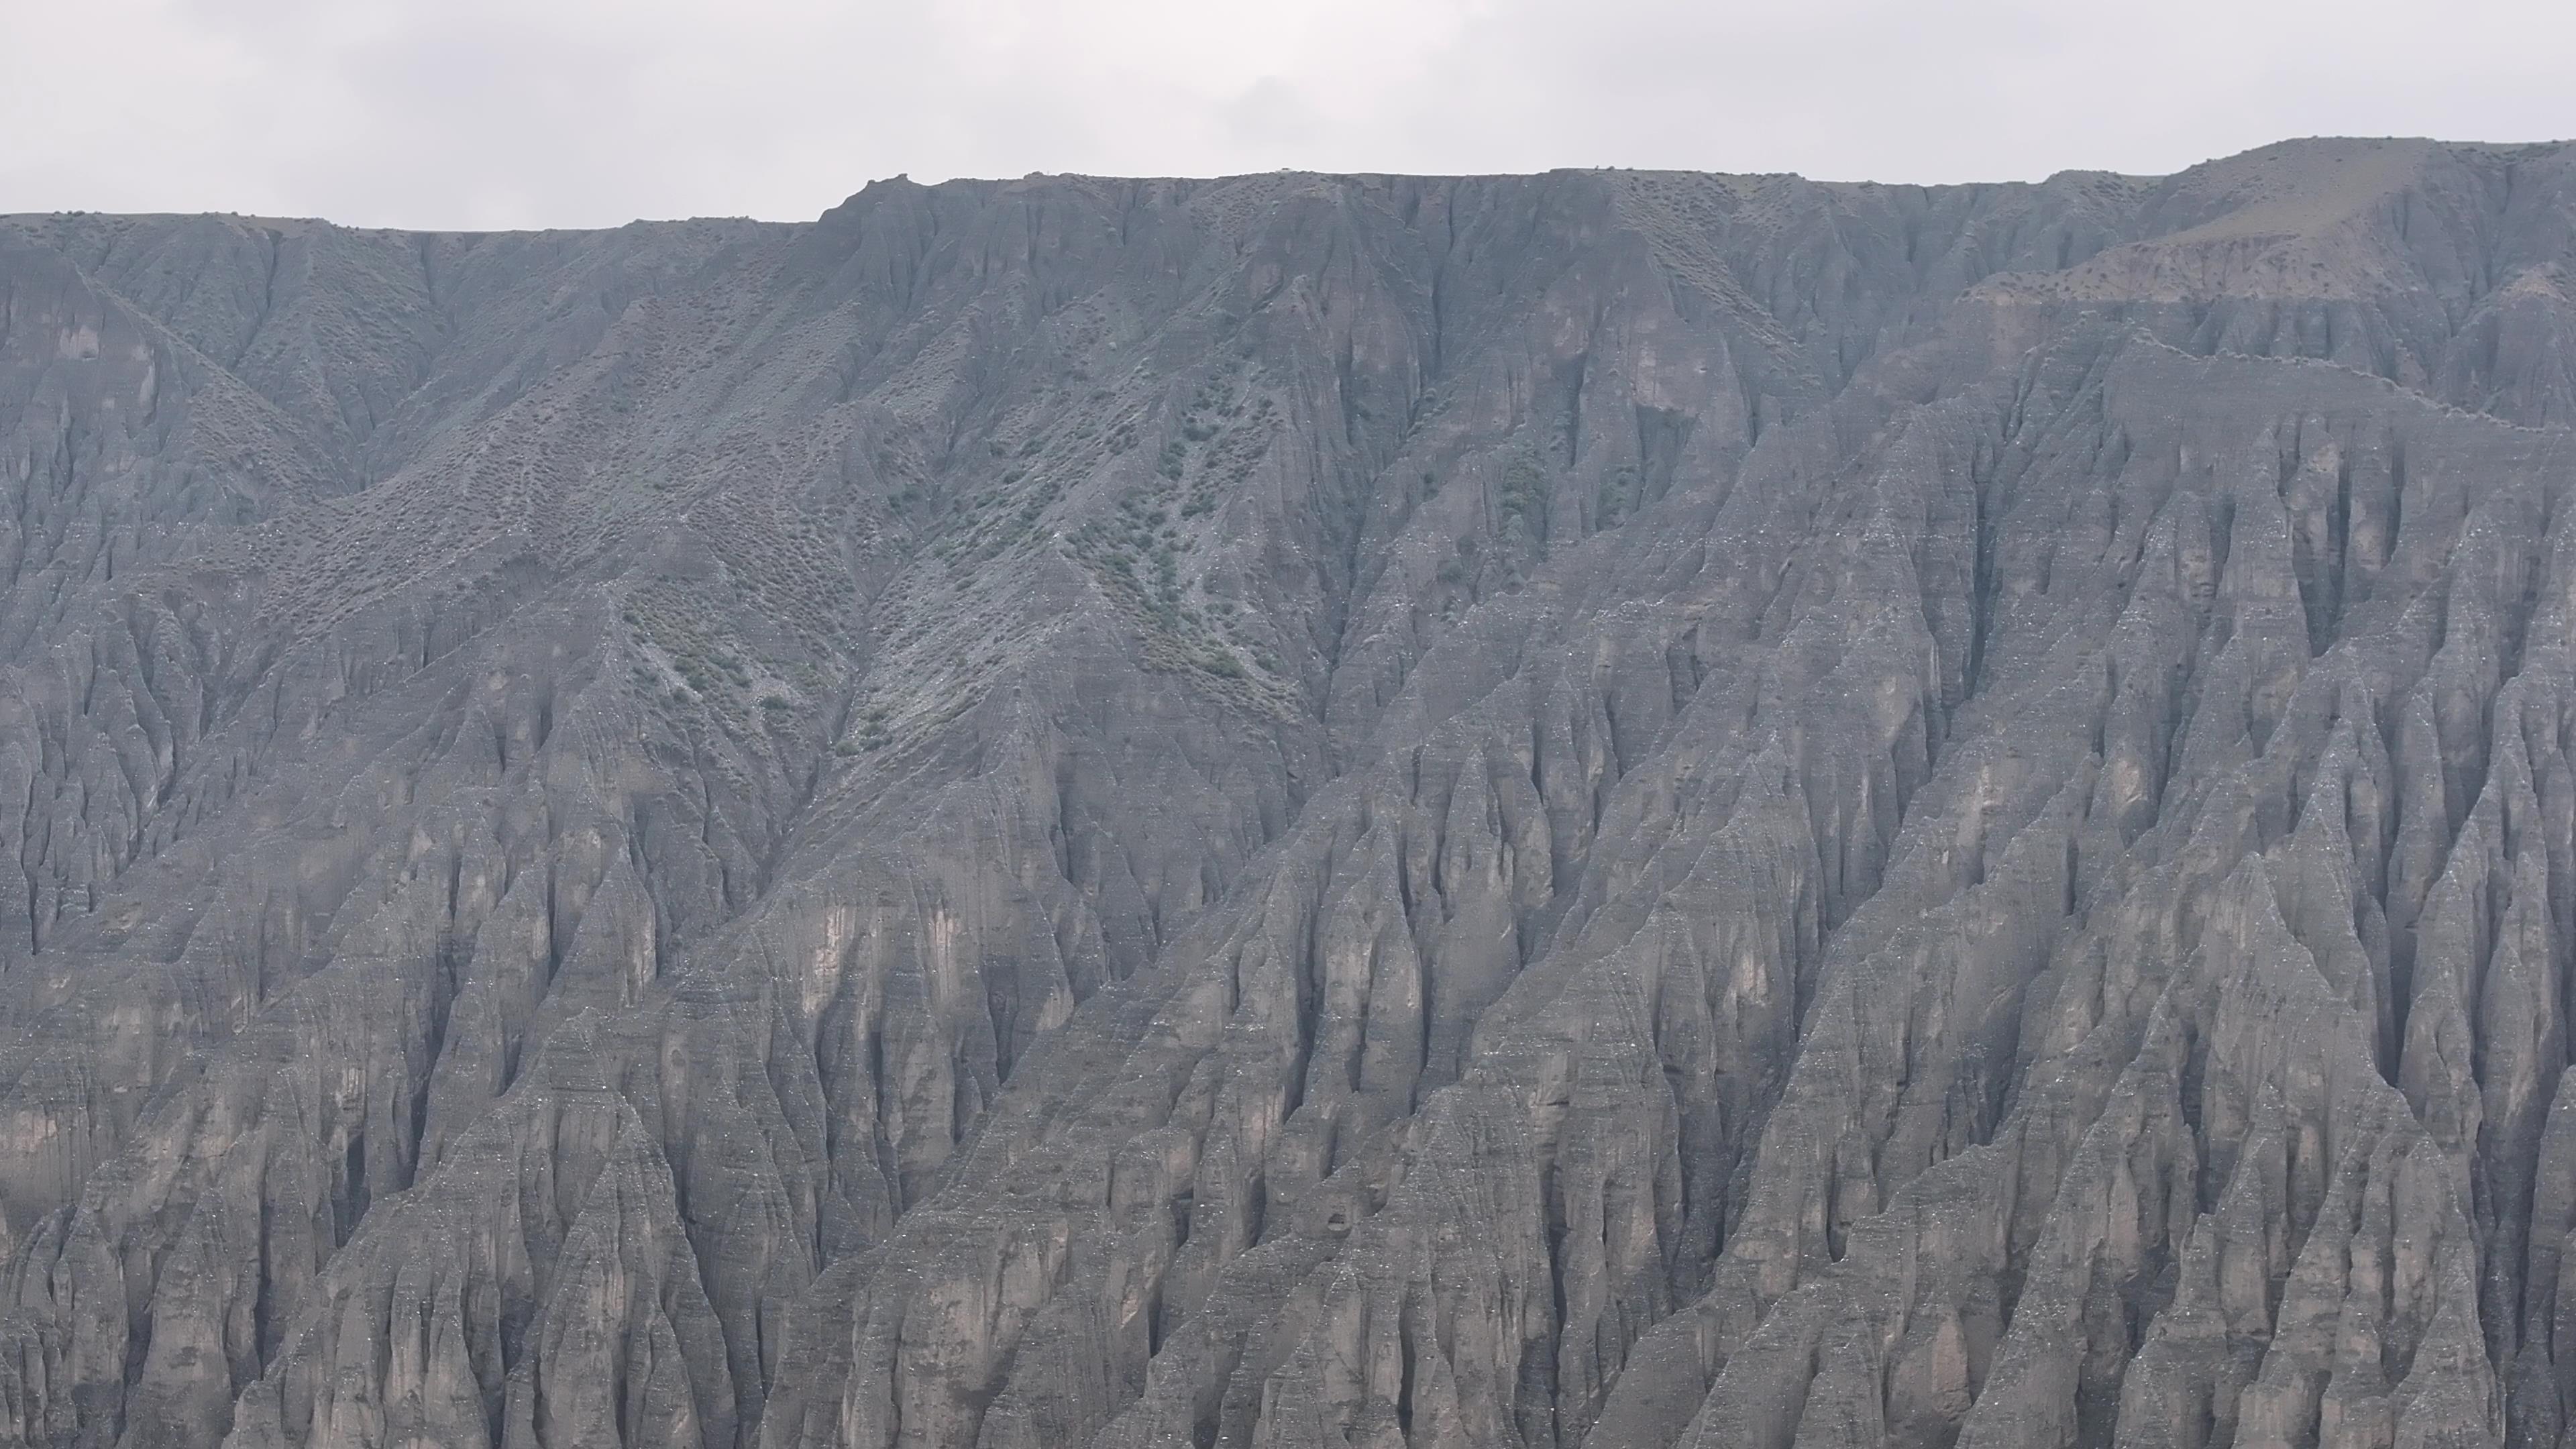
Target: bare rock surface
1610	810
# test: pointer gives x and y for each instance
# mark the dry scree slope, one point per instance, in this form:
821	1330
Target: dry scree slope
1592	811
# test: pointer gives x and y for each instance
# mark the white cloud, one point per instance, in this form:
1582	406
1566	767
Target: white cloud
588	112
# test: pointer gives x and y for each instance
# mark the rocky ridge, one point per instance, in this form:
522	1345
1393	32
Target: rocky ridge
1609	809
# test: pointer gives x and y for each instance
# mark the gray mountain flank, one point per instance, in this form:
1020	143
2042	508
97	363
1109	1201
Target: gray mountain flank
1596	810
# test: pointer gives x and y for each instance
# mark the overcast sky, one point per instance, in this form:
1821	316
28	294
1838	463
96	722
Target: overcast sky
488	113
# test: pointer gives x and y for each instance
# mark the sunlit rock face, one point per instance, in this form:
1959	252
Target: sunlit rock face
1608	811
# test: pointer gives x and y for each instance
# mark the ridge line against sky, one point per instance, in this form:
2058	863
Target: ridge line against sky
578	113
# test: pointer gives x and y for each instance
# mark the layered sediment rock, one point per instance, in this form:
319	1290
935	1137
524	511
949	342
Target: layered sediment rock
1612	809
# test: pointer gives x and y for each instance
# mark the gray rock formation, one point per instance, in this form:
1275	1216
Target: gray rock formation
1598	810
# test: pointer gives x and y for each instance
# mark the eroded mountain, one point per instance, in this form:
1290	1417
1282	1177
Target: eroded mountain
1599	810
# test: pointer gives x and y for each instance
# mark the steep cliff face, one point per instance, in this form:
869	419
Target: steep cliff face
1598	810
